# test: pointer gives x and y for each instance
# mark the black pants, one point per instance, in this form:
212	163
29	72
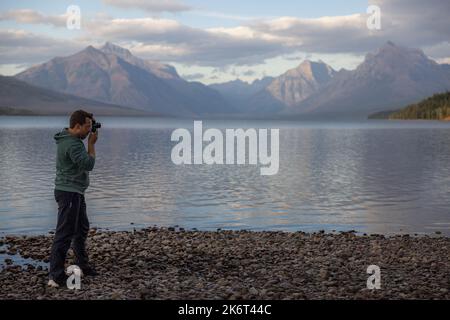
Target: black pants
72	228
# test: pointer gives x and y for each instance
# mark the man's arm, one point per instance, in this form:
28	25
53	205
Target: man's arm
85	160
93	136
80	157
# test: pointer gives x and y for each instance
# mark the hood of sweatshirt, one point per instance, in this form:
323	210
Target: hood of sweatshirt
63	135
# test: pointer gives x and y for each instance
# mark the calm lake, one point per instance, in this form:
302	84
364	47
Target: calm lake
372	176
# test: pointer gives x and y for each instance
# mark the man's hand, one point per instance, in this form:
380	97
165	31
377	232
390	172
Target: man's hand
93	136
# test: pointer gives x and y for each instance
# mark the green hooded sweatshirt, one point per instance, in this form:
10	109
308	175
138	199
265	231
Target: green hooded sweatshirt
73	163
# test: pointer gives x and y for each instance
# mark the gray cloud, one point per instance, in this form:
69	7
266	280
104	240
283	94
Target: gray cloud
21	47
150	5
33	17
164	39
249	73
415	23
440	51
411	23
194	76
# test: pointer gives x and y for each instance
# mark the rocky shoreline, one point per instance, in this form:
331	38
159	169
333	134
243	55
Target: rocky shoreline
172	263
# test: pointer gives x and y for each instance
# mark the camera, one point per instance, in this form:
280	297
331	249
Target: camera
95	125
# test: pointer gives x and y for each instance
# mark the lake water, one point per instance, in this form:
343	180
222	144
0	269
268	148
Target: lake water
371	176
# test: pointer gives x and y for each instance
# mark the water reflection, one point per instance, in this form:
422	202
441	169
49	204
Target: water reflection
372	176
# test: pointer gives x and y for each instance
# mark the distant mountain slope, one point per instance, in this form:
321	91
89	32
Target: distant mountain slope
241	88
388	78
291	88
271	95
158	69
113	75
436	107
18	97
391	77
238	93
297	84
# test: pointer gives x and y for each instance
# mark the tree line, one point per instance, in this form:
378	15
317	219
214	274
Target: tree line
436	107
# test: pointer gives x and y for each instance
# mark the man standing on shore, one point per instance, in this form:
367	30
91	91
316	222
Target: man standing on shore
73	164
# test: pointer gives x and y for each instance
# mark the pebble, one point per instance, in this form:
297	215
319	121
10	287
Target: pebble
158	263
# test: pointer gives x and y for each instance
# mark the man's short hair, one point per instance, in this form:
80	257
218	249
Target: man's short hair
79	117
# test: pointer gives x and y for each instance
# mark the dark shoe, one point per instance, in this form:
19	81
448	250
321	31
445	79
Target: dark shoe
61	282
89	271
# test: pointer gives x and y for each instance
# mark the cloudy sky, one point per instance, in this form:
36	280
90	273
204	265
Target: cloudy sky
217	41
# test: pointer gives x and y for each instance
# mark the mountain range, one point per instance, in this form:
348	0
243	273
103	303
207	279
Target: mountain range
391	77
18	97
113	75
